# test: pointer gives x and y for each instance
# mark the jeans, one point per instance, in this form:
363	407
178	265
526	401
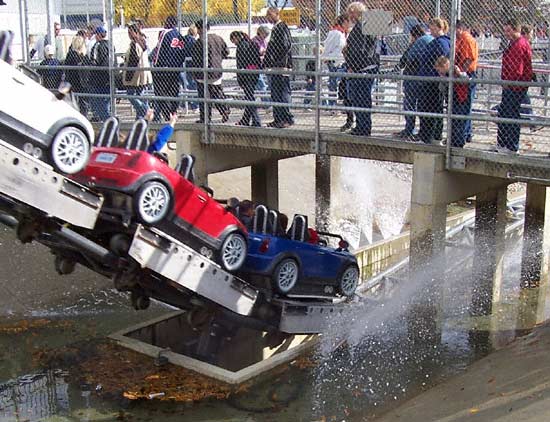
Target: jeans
250	115
262	86
510	105
140	105
360	95
471	95
310	90
410	103
189	84
430	101
458	127
280	93
101	107
333	82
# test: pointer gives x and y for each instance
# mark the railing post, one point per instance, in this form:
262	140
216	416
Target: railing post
206	94
112	59
24	33
454	9
318	80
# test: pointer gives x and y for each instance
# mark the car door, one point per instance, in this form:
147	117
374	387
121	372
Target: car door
326	262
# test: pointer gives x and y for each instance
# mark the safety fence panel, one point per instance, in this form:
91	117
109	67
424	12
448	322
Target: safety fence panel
451	73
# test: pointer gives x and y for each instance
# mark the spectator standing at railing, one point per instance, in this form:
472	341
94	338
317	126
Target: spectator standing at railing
410	63
169	53
79	78
137	79
189	83
516	66
51	78
99	79
248	57
262	33
429	97
362	57
459	99
332	53
466	58
216	54
278	56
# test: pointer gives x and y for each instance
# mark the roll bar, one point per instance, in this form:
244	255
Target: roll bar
108	133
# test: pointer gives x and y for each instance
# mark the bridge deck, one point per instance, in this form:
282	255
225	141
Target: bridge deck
533	161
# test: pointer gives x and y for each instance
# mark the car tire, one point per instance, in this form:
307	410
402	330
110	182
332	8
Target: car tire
348	280
152	202
233	252
70	150
285	276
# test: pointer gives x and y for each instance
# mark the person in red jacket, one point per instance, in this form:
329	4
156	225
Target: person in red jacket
516	66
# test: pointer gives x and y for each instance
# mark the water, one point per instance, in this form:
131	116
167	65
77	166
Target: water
378	366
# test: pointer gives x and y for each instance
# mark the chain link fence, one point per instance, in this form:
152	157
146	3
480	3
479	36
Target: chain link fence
451	73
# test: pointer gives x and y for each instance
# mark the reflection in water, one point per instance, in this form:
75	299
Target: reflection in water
34	397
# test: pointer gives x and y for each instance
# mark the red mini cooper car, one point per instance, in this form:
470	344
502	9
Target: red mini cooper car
141	187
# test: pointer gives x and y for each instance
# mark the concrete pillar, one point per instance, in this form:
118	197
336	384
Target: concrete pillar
427	246
533	257
428	213
322	191
489	245
265	183
534	262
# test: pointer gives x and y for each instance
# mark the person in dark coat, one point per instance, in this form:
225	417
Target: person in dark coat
429	96
248	57
169	52
217	53
78	78
362	56
99	79
278	56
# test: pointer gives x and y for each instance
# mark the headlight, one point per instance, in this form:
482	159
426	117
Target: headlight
37	152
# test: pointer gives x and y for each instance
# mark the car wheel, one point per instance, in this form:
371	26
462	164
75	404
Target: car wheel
285	275
347	283
233	252
70	150
152	202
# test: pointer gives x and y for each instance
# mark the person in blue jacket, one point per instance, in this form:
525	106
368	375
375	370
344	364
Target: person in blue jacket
163	135
410	63
429	98
169	53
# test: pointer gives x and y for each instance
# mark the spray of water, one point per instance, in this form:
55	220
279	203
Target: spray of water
362	207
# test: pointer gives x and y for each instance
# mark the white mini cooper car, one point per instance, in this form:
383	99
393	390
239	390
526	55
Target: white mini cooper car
40	123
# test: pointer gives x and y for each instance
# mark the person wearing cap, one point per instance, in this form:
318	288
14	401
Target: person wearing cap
51	78
99	79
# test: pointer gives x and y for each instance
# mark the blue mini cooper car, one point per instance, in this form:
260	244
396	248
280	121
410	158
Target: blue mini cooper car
299	262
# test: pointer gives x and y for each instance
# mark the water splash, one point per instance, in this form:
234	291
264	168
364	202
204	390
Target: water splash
364	201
